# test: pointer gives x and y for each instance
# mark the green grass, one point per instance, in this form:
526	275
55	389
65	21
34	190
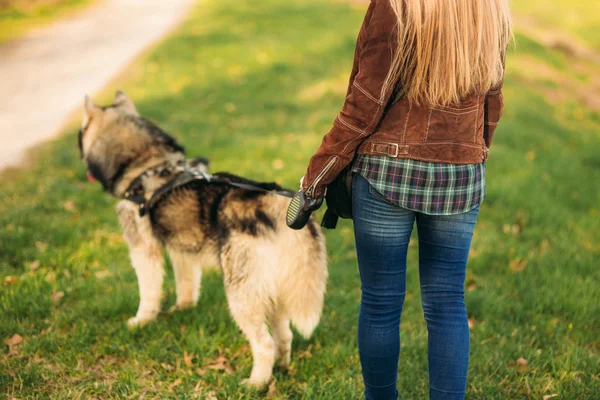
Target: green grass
578	17
247	84
17	20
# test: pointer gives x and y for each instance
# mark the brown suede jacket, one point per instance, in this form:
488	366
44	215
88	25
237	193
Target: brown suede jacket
371	123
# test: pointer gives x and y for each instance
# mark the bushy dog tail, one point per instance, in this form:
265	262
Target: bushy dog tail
306	293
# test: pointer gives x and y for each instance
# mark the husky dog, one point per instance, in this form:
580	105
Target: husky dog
272	274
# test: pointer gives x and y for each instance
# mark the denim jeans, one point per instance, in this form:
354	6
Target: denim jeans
382	232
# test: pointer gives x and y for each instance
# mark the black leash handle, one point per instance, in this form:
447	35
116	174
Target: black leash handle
300	209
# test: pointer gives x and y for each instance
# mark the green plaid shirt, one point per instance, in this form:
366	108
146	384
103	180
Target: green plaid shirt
429	188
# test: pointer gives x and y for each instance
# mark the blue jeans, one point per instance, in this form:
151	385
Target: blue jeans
382	232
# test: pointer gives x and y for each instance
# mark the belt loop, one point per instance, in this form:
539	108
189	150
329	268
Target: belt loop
393	150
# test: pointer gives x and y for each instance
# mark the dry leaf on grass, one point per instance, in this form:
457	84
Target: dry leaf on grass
174	384
518	264
69	206
221	363
550	396
34	265
522	364
11	280
56	296
182	329
211	396
272	390
103	274
168	367
14	340
188	359
305	353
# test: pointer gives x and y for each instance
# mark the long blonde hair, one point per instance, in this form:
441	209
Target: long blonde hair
448	49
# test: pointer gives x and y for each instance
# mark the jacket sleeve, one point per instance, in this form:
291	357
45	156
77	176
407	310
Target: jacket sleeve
364	104
494	106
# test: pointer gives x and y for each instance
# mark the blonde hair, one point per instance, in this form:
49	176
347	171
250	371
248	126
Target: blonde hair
448	49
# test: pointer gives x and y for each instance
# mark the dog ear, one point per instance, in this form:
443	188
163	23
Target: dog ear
122	101
89	109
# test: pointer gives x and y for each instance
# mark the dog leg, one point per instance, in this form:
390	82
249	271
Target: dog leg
263	349
282	334
249	305
188	276
147	259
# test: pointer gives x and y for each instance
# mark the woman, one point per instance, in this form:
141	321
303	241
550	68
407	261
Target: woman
423	102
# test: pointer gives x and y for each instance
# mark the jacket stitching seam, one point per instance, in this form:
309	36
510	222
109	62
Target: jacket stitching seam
428	125
477	120
469	111
406	122
367	94
466	144
348	125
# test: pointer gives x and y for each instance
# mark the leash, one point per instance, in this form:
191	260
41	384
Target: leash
185	175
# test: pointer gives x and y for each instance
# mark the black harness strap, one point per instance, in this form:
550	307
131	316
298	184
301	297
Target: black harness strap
185	175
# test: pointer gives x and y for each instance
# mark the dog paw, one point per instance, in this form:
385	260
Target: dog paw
258	384
284	364
181	306
139	321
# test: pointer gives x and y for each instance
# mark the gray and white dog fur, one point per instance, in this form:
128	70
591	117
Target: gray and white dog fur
272	275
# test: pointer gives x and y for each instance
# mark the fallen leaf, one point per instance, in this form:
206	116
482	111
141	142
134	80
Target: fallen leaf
471	287
522	364
56	296
34	265
211	396
168	367
518	264
174	384
221	364
272	390
11	280
550	396
14	340
305	353
187	359
200	371
103	274
46	331
69	206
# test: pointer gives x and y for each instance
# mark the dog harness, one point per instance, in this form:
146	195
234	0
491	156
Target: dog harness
185	174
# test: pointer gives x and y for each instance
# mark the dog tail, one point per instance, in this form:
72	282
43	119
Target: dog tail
306	293
306	306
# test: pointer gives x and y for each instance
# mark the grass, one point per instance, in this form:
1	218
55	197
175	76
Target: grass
18	19
580	17
254	86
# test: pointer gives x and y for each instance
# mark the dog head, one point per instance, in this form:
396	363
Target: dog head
114	138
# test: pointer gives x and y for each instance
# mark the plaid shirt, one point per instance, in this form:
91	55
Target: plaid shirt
429	188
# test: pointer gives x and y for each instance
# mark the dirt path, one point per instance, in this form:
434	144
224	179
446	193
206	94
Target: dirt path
44	75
